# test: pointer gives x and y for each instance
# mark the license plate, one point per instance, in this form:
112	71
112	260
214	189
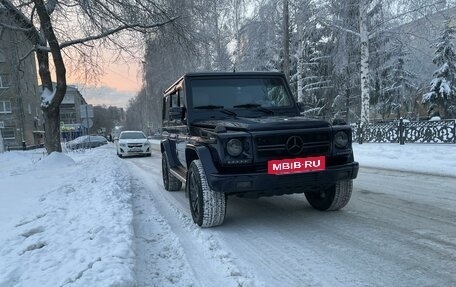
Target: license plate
296	165
135	150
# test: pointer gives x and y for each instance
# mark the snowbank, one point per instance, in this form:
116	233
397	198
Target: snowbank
437	159
66	220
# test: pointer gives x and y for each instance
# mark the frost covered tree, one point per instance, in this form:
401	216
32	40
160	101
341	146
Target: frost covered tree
374	18
393	84
261	39
61	28
400	88
442	93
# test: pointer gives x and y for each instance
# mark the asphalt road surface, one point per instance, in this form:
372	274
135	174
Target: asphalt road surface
399	229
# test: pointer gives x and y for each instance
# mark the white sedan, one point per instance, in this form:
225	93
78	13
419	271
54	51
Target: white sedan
133	143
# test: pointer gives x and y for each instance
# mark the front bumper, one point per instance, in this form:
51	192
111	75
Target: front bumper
125	151
263	184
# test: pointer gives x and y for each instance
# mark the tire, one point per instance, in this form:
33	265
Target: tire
119	155
334	198
170	182
208	207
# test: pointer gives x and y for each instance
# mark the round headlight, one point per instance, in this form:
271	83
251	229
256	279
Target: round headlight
234	147
341	139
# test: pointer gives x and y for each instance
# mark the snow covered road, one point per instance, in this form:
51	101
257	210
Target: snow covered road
399	229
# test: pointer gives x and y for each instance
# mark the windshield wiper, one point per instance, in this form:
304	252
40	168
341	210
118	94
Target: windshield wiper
214	107
255	106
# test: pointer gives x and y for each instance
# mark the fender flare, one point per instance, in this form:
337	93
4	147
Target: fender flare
166	146
204	155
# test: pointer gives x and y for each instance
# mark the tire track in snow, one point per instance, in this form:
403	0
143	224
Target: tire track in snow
209	264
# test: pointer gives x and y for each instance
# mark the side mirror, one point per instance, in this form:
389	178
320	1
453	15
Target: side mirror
176	113
339	122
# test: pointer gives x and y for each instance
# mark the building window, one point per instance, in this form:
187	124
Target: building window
4	81
8	133
5	107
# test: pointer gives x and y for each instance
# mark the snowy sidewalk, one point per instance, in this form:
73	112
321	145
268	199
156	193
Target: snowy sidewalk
66	220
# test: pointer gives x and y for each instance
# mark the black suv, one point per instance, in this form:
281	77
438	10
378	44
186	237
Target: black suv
242	134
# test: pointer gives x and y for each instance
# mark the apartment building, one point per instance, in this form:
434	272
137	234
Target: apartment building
20	114
70	113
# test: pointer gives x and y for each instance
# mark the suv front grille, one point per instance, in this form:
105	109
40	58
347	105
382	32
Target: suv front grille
132	145
275	145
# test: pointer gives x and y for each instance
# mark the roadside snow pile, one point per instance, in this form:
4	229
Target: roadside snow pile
437	159
55	160
66	220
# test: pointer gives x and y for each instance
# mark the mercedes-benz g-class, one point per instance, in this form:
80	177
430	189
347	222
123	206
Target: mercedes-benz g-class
242	134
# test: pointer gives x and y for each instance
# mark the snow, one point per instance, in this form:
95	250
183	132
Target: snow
72	219
436	159
46	97
66	220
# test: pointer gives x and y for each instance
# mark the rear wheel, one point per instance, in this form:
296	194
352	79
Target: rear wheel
208	207
170	182
333	198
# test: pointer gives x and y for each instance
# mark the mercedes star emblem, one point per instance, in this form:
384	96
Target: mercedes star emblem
295	145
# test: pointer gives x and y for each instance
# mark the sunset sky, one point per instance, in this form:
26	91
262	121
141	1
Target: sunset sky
119	83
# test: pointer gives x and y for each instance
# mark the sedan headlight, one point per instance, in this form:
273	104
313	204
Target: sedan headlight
341	139
123	145
146	144
234	147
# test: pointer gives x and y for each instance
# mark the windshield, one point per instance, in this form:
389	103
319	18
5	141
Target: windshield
239	93
132	135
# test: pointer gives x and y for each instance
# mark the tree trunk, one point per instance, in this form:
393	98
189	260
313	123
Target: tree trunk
52	130
51	110
286	40
299	70
364	34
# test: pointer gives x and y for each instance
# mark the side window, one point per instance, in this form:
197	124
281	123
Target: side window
172	101
175	100
166	105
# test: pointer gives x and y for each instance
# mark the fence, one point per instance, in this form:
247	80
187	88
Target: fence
403	131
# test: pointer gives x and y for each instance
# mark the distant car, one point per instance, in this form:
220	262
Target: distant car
84	142
133	143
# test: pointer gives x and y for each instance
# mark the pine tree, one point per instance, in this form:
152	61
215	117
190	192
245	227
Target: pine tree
401	87
442	94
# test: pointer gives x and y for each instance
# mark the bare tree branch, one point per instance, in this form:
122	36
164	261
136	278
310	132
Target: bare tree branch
339	27
32	33
16	28
113	31
374	33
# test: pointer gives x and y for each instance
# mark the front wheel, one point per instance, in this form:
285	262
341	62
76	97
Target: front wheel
333	198
208	207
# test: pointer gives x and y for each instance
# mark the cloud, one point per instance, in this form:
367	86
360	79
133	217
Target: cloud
104	95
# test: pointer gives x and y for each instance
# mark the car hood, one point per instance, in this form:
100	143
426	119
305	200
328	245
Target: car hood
133	140
263	123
